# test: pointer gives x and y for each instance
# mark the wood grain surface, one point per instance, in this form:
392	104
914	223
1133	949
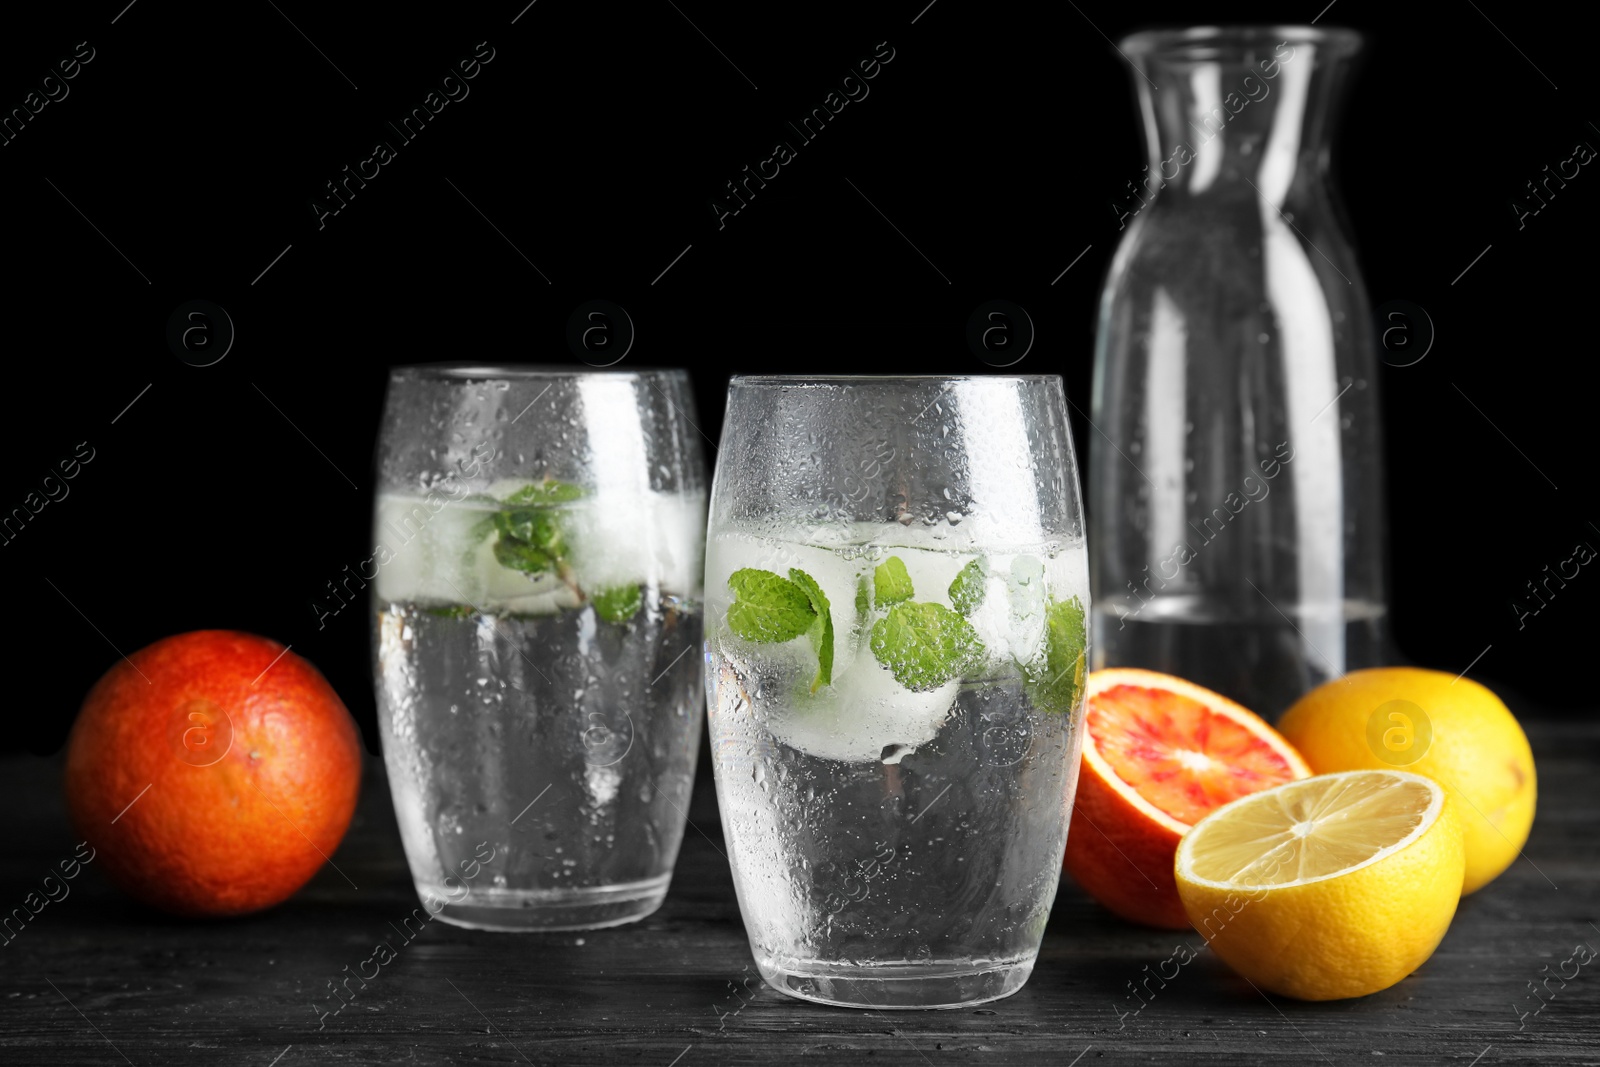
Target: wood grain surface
94	979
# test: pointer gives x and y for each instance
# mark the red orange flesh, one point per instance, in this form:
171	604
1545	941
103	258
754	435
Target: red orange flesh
1159	753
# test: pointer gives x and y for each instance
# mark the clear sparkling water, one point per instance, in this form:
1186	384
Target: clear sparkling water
566	742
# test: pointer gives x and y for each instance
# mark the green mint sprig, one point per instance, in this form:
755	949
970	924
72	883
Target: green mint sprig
531	539
820	631
1054	685
538	526
768	608
925	645
969	586
890	583
521	556
618	604
530	536
771	609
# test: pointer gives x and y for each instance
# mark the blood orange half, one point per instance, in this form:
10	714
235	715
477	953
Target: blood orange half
1160	754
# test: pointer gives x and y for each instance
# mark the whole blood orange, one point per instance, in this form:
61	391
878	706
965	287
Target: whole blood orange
1159	754
213	773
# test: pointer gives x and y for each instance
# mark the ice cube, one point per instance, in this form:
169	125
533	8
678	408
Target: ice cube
992	618
611	541
430	545
860	716
1067	573
1026	591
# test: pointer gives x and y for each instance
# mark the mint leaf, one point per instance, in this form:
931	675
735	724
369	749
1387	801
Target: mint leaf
618	604
863	606
546	493
538	527
530	537
821	631
925	645
891	583
769	608
521	556
1055	685
966	591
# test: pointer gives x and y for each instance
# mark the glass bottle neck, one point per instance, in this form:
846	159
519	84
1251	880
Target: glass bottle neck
1249	111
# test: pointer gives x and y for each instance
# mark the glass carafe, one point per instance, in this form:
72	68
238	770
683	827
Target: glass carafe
1235	481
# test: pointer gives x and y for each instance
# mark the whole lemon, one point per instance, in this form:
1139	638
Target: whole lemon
1450	729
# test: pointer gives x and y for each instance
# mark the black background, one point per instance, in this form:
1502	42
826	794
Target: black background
995	142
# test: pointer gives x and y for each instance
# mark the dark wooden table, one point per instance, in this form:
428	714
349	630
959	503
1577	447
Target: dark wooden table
94	979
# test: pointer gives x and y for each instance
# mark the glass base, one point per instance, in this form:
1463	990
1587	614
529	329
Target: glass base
902	986
532	910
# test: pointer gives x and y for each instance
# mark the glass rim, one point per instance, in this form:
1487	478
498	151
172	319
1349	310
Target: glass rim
836	379
471	371
1177	39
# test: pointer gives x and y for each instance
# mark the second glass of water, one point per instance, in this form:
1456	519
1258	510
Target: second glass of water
538	546
897	590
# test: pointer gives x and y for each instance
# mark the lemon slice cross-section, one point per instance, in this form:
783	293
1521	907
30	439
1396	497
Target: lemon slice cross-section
1333	886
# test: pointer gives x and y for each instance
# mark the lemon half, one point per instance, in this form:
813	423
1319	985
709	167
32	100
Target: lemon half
1334	886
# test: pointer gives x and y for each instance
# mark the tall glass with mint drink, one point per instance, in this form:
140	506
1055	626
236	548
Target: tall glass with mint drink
896	593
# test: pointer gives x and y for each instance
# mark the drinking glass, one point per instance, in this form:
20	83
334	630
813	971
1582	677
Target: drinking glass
897	586
539	538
